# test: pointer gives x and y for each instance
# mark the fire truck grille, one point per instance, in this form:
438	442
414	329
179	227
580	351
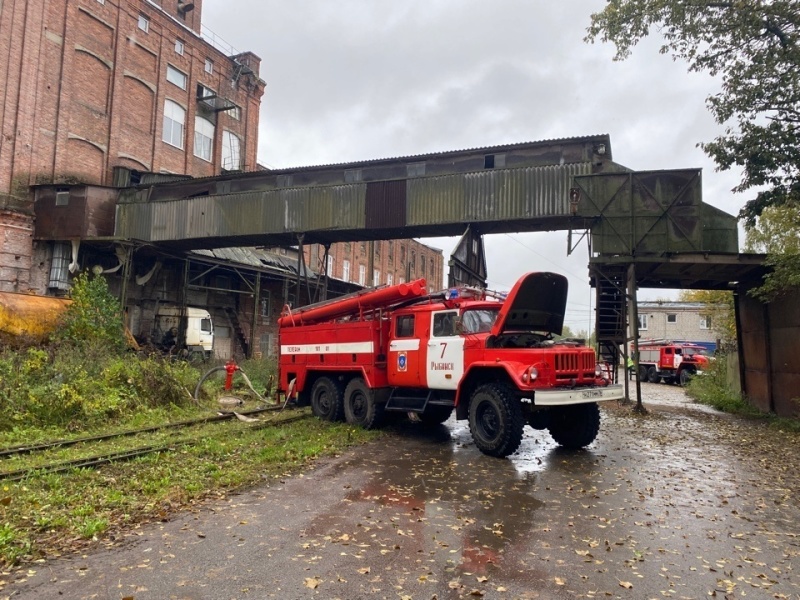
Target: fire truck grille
569	365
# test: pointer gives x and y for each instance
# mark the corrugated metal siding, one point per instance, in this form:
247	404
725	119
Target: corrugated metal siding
493	195
334	207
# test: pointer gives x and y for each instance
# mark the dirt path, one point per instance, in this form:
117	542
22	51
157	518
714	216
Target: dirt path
681	503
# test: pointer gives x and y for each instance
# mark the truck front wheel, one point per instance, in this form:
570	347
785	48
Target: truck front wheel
575	426
360	407
326	399
495	420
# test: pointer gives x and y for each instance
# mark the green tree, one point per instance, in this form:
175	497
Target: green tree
753	47
777	233
720	307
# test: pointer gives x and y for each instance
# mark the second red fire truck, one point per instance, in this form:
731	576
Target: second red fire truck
670	362
493	360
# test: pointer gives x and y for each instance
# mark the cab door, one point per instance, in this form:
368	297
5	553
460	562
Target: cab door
405	362
445	352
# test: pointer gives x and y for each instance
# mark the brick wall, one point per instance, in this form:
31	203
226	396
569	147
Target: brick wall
402	259
16	233
85	87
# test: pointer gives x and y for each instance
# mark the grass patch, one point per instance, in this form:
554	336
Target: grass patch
711	389
46	513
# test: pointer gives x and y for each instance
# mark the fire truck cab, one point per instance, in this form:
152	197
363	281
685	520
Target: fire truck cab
492	358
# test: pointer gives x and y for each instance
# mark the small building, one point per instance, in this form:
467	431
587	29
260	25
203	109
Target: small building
677	321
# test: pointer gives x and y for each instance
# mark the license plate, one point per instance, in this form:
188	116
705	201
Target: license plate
592	393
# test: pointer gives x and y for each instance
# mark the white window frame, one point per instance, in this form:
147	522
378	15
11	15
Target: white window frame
231	157
177	77
642	322
346	270
203	138
235	113
209	66
143	23
362	274
390	279
672	317
329	266
174	130
376	278
180	46
705	322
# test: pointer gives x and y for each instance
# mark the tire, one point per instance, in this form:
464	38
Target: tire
684	377
642	372
435	415
495	420
575	426
652	375
326	399
360	407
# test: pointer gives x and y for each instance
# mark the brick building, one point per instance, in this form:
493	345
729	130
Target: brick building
102	91
677	321
393	262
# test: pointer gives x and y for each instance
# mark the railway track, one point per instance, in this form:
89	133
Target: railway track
102	459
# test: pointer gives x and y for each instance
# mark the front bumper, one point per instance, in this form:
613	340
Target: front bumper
566	397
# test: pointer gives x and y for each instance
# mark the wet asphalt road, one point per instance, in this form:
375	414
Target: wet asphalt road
681	503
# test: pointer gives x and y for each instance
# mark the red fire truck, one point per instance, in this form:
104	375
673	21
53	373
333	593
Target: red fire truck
671	362
491	358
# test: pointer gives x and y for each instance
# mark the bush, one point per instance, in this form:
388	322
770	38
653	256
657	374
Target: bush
711	388
94	317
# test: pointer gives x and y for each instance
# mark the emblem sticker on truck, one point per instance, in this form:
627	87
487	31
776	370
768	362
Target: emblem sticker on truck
402	362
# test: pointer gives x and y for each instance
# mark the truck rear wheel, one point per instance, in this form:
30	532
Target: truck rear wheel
575	426
652	375
685	377
326	399
495	420
360	407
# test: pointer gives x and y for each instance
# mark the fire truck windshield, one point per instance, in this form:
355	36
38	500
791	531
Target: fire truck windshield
479	320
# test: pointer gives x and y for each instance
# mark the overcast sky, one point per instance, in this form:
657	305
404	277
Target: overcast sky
355	80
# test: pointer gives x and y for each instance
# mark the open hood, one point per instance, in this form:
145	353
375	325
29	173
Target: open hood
535	303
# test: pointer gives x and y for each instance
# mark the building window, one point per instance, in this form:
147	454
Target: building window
203	138
101	1
348	247
376	278
378	248
174	123
177	77
413	262
422	263
179	47
431	272
390	251
363	248
231	152
672	318
346	270
329	267
234	113
401	279
642	322
144	23
209	66
390	279
362	274
491	161
59	267
62	197
705	322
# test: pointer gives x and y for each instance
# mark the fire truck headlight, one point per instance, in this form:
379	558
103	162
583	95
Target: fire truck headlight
530	374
